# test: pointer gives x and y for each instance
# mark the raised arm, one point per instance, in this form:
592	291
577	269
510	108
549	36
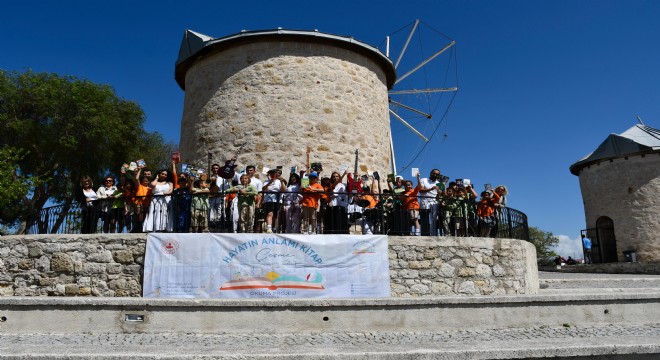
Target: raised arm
122	178
309	170
191	183
496	199
176	177
350	183
343	175
472	191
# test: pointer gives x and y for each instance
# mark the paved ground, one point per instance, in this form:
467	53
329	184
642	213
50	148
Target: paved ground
571	341
482	344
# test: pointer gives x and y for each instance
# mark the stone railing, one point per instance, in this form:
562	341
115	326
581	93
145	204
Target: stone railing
112	265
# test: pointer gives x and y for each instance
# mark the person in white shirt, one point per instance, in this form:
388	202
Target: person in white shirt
271	197
87	198
292	207
109	213
250	170
336	215
428	194
218	213
254	181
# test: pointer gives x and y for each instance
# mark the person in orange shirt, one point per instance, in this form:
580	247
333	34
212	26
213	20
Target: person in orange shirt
485	212
309	203
368	201
142	197
411	205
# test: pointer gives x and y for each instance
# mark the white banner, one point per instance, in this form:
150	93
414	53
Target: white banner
265	266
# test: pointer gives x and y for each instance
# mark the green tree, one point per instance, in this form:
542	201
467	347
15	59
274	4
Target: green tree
543	241
14	186
68	127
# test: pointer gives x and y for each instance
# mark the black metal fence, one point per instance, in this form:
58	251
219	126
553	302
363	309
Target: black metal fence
216	213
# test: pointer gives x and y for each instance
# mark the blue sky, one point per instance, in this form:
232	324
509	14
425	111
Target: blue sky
542	83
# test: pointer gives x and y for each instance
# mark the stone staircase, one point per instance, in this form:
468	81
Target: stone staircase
557	282
575	316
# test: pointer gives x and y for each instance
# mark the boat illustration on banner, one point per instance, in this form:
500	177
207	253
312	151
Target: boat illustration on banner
273	281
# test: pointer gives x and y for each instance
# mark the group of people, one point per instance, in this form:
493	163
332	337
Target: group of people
449	208
560	260
141	203
586	249
305	203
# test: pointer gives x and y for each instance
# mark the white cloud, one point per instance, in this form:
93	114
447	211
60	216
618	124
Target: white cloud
569	247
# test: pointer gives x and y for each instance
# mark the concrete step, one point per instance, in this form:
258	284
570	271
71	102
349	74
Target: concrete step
600	284
595	291
555	280
575	316
541	342
603	325
253	316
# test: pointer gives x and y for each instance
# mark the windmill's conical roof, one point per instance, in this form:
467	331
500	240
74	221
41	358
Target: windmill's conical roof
195	45
639	139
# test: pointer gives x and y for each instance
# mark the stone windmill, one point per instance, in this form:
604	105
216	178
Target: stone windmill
268	96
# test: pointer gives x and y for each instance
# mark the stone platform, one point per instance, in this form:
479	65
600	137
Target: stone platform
111	265
533	316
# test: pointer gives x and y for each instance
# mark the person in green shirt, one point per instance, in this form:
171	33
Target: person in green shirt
396	187
246	198
199	204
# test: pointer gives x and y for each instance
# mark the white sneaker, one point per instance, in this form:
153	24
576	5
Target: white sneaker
269	231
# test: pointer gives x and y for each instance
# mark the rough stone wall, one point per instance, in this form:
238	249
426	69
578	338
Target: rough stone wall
627	190
462	266
272	100
112	265
72	265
